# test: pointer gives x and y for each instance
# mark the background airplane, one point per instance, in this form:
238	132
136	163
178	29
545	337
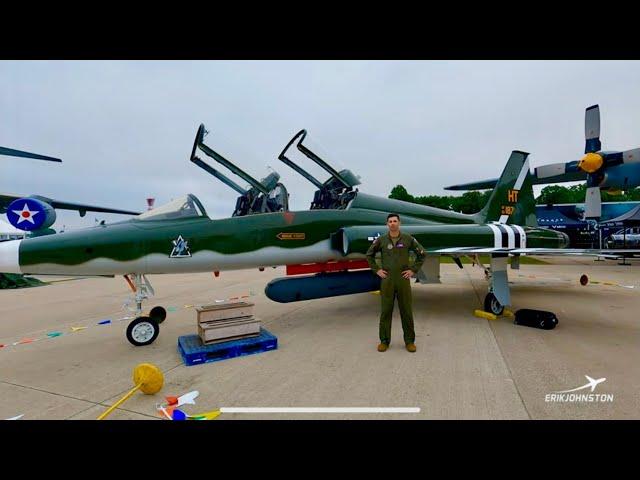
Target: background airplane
180	238
614	170
36	213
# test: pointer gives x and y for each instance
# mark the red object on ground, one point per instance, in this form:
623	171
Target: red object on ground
216	273
326	267
172	400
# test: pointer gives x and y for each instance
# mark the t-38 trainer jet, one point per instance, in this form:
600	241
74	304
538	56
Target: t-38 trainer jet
329	240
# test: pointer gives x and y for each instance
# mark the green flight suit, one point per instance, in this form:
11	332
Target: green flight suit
395	259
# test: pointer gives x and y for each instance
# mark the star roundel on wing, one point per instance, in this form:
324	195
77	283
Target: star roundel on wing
26	214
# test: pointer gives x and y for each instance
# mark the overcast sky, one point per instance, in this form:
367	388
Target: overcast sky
125	129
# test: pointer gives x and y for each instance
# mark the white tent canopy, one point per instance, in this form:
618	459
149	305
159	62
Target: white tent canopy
8	229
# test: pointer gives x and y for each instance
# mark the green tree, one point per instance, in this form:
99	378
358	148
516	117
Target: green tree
469	202
473	201
400	193
634	194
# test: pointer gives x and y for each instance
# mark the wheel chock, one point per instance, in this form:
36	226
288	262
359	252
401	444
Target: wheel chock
483	314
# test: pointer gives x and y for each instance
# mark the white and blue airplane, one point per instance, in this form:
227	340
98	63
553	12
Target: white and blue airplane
614	170
591	384
35	213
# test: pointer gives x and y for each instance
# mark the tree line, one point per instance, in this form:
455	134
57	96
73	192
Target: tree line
473	201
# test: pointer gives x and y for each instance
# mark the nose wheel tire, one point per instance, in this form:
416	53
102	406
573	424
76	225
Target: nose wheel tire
142	331
492	305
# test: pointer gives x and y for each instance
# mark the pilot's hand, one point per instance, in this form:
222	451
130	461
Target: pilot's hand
407	274
381	273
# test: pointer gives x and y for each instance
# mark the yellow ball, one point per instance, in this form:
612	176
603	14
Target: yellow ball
149	377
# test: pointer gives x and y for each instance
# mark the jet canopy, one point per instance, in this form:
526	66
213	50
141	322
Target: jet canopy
187	206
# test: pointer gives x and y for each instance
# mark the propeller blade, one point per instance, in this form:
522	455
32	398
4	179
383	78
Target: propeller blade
20	153
631	156
593	203
592	129
550	170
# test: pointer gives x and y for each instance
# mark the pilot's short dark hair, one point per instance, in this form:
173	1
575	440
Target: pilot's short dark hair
393	215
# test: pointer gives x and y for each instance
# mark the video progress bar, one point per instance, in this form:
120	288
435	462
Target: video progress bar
319	410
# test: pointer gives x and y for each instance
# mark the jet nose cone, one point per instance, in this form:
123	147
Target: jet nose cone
10	257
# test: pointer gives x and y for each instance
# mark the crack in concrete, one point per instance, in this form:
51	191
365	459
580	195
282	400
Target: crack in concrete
495	339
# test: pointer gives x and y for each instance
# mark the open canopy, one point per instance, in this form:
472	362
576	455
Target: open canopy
187	206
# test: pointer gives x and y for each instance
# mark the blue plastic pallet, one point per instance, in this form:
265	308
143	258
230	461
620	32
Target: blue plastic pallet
194	352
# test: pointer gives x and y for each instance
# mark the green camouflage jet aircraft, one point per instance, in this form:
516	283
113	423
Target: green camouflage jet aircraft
180	238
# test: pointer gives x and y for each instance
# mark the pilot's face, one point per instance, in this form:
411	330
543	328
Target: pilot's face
393	224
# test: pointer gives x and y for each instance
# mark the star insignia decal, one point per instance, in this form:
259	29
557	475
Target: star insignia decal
180	248
26	215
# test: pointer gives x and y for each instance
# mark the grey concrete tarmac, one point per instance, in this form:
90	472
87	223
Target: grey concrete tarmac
465	367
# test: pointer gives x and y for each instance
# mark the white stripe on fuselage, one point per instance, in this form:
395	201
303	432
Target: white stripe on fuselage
202	261
497	236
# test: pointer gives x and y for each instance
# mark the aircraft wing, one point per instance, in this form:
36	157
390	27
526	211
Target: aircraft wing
486	184
20	153
6	199
481	185
610	253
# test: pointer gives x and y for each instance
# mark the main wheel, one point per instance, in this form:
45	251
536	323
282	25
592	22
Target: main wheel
142	331
492	305
158	314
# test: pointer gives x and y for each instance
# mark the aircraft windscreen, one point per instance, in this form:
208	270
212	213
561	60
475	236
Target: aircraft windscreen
187	206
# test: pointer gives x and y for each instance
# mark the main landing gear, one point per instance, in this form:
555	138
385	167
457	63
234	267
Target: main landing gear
496	275
492	305
144	329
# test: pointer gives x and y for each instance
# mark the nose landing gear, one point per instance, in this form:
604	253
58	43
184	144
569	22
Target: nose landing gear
144	329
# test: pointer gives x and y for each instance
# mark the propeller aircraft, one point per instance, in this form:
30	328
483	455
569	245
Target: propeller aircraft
35	213
612	169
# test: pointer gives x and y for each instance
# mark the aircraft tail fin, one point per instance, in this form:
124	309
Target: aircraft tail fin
512	200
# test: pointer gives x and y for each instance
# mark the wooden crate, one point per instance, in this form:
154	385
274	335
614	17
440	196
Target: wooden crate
213	332
224	322
221	311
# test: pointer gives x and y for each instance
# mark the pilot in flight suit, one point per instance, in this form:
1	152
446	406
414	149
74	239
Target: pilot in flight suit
395	272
